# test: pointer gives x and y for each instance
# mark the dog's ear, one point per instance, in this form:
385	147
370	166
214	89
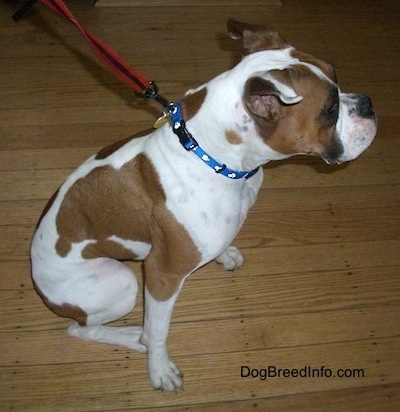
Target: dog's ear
265	96
255	38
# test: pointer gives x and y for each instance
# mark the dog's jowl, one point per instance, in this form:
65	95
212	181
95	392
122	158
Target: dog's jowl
176	197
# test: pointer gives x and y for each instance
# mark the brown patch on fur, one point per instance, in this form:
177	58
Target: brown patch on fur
233	138
128	203
106	247
109	202
110	149
263	40
65	310
193	102
173	255
63	246
256	37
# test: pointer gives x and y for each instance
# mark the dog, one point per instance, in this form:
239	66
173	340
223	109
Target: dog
175	197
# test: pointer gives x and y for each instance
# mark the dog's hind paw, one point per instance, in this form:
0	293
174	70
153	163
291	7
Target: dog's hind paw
124	335
231	258
167	378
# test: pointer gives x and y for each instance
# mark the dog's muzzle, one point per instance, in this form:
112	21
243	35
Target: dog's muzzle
356	126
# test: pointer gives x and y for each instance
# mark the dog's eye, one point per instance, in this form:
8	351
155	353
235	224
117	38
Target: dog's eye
330	114
332	110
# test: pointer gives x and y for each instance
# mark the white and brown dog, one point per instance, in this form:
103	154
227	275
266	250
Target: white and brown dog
177	199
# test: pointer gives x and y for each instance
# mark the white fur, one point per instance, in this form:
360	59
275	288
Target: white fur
164	374
140	249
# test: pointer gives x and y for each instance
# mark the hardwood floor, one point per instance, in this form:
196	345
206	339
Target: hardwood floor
321	285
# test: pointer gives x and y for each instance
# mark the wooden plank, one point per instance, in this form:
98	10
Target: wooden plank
44	158
319	227
30	185
68	115
208	378
333	198
288	173
66	137
25	213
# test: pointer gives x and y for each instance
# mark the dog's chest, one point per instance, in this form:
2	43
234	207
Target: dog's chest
212	217
211	207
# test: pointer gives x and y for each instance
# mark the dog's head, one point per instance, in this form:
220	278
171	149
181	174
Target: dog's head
295	102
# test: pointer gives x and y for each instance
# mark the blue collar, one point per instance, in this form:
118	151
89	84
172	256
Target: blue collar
190	144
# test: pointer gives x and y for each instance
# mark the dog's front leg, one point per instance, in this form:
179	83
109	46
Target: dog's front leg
173	257
164	374
231	258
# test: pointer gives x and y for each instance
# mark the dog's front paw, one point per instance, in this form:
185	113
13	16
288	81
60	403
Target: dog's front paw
231	258
167	378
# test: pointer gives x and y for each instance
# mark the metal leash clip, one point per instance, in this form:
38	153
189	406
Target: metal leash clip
152	93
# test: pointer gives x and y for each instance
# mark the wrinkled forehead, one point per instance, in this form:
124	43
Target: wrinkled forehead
279	59
317	65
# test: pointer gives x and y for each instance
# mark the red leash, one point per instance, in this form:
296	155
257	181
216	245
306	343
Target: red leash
111	59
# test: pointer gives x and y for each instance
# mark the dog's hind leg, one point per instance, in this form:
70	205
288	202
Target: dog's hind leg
106	293
127	336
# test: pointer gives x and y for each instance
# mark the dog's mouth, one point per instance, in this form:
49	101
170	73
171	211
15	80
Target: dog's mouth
355	129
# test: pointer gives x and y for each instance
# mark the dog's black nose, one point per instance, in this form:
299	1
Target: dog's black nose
364	107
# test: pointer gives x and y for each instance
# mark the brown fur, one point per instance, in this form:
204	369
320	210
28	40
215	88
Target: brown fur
106	247
232	137
109	202
192	103
173	256
256	37
65	310
128	203
267	40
